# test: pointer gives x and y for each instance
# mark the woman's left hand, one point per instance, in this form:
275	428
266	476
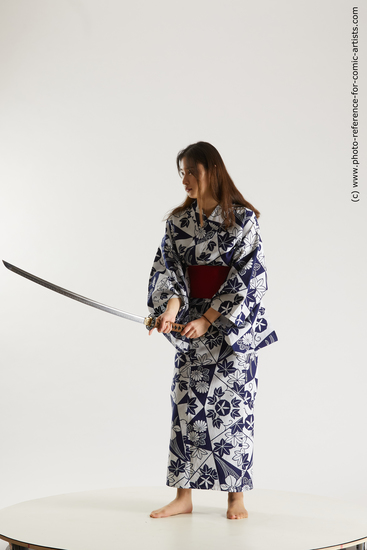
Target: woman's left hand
195	329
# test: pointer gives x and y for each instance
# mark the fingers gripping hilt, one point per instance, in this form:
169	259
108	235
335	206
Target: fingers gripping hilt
152	322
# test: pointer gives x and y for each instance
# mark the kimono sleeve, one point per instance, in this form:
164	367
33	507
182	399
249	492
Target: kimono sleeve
167	279
239	298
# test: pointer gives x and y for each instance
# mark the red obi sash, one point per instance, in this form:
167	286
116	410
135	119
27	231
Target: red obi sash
206	280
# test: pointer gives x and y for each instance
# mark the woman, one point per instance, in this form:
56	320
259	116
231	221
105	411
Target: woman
210	275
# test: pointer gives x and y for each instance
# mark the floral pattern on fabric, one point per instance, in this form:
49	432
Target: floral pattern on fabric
243	321
212	394
214	383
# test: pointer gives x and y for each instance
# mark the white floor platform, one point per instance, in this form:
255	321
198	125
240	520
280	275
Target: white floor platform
119	519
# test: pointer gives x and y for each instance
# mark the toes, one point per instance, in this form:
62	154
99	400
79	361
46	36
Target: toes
159	514
231	515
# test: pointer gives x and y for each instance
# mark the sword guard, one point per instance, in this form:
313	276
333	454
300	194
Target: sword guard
152	322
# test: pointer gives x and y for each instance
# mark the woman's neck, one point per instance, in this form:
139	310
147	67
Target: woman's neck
207	203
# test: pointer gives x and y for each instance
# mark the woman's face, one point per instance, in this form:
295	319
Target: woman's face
187	170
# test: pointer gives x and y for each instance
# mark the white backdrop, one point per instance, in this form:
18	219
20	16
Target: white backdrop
97	98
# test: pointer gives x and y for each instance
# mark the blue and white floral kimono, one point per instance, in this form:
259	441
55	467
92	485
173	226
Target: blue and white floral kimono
214	383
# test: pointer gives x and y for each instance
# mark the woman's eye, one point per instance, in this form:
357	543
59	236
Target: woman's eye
189	172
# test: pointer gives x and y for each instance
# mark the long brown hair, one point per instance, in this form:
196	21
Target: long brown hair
221	185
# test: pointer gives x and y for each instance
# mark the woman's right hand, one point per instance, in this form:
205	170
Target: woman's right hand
164	322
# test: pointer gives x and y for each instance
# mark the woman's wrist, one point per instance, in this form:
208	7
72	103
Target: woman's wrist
212	315
206	318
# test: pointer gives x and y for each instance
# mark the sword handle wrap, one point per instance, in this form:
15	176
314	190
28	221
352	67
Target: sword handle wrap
152	322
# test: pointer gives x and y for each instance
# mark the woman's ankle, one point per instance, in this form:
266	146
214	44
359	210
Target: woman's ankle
235	496
184	494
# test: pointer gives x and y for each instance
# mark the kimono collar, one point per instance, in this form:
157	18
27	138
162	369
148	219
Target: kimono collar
216	215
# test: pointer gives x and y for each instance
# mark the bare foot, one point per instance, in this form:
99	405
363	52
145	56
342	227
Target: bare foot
181	505
236	507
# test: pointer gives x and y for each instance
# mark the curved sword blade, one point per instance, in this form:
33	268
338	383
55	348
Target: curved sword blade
74	296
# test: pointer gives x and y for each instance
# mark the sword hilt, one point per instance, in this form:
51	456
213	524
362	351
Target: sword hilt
152	322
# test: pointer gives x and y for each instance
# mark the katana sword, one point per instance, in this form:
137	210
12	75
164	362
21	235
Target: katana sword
150	322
